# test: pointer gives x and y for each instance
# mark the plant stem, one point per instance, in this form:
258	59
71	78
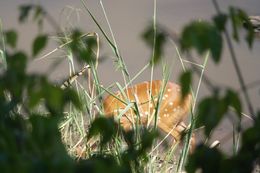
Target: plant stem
152	61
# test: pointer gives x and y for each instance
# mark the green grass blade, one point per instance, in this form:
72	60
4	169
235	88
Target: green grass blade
114	47
100	28
3	62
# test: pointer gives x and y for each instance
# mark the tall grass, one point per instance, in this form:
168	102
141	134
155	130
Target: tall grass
76	124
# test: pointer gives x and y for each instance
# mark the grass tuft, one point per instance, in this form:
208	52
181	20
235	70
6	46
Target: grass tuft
75	126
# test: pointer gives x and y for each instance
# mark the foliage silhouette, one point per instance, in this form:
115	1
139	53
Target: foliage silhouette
31	141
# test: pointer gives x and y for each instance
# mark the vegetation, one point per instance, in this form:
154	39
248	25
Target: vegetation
48	127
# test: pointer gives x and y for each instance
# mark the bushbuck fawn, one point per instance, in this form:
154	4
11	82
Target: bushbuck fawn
172	110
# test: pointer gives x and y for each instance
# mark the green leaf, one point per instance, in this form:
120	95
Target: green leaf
71	96
240	19
38	15
39	44
233	100
17	62
157	45
35	98
147	139
38	12
15	79
220	21
205	159
185	81
106	127
44	149
11	38
210	113
82	47
235	22
24	12
202	36
86	53
251	137
249	26
53	98
34	89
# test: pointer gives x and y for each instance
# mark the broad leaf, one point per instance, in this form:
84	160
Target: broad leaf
38	15
233	100
24	12
202	36
210	113
11	38
83	47
156	42
38	12
220	21
39	44
17	62
105	127
185	81
205	159
240	19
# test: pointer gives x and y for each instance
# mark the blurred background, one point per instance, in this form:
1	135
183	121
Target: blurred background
128	19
